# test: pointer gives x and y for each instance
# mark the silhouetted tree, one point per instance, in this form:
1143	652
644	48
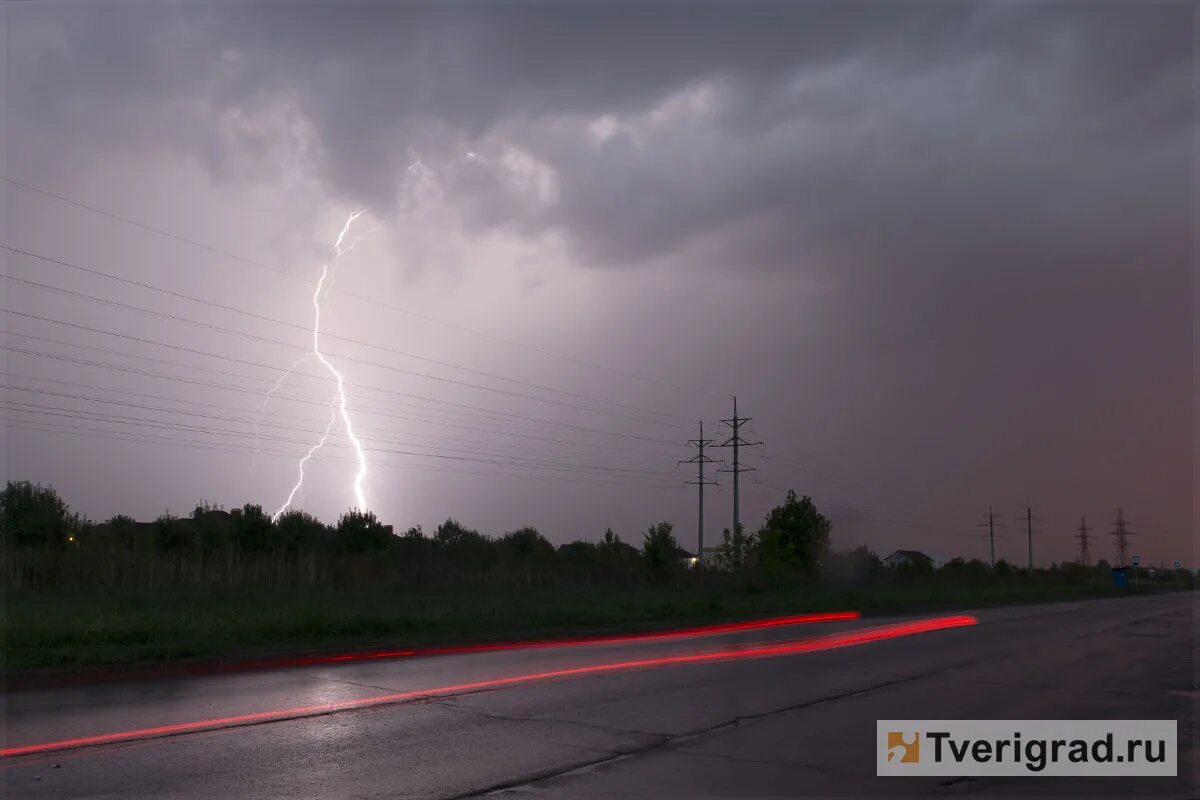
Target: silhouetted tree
802	532
252	530
660	551
733	552
526	543
463	550
122	532
212	527
358	531
169	535
35	516
298	530
452	533
611	539
412	533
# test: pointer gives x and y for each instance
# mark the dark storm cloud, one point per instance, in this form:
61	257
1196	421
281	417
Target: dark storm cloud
834	135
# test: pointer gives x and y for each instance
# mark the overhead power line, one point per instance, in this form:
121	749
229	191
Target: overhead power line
232	359
367	409
322	378
364	298
302	328
377	434
76	431
531	421
183	412
366	362
56	411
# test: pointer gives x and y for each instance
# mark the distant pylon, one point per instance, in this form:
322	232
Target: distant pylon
736	441
1122	532
700	459
991	524
1085	556
1028	518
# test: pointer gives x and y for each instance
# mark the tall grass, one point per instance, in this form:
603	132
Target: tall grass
94	627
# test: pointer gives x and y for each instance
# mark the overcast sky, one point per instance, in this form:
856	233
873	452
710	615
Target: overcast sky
942	253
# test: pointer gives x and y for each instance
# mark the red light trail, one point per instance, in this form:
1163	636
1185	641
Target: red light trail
825	642
439	650
682	633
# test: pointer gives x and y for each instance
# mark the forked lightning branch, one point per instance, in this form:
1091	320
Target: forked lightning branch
338	406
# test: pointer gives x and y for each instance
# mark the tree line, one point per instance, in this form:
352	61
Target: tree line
47	546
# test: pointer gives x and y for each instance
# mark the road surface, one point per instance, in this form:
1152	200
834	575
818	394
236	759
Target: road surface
799	724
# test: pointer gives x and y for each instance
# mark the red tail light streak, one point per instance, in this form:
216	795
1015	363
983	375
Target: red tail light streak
681	633
210	666
729	653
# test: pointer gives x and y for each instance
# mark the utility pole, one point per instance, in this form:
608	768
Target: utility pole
1029	519
700	459
991	525
736	441
1085	557
1122	532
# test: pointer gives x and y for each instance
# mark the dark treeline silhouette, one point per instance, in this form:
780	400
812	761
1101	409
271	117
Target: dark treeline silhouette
49	548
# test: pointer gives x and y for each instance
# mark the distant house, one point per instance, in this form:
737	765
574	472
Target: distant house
909	557
708	559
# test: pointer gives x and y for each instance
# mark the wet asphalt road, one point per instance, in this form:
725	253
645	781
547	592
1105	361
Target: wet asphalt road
799	725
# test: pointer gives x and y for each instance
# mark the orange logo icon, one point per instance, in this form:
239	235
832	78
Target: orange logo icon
906	748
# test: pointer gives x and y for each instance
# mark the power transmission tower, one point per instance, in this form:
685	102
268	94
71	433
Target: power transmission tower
1028	518
736	442
1122	532
1085	556
700	459
991	525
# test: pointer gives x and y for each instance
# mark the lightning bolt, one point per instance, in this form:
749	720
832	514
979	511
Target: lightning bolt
307	456
267	399
338	406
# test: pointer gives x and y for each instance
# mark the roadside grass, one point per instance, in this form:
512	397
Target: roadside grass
61	630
